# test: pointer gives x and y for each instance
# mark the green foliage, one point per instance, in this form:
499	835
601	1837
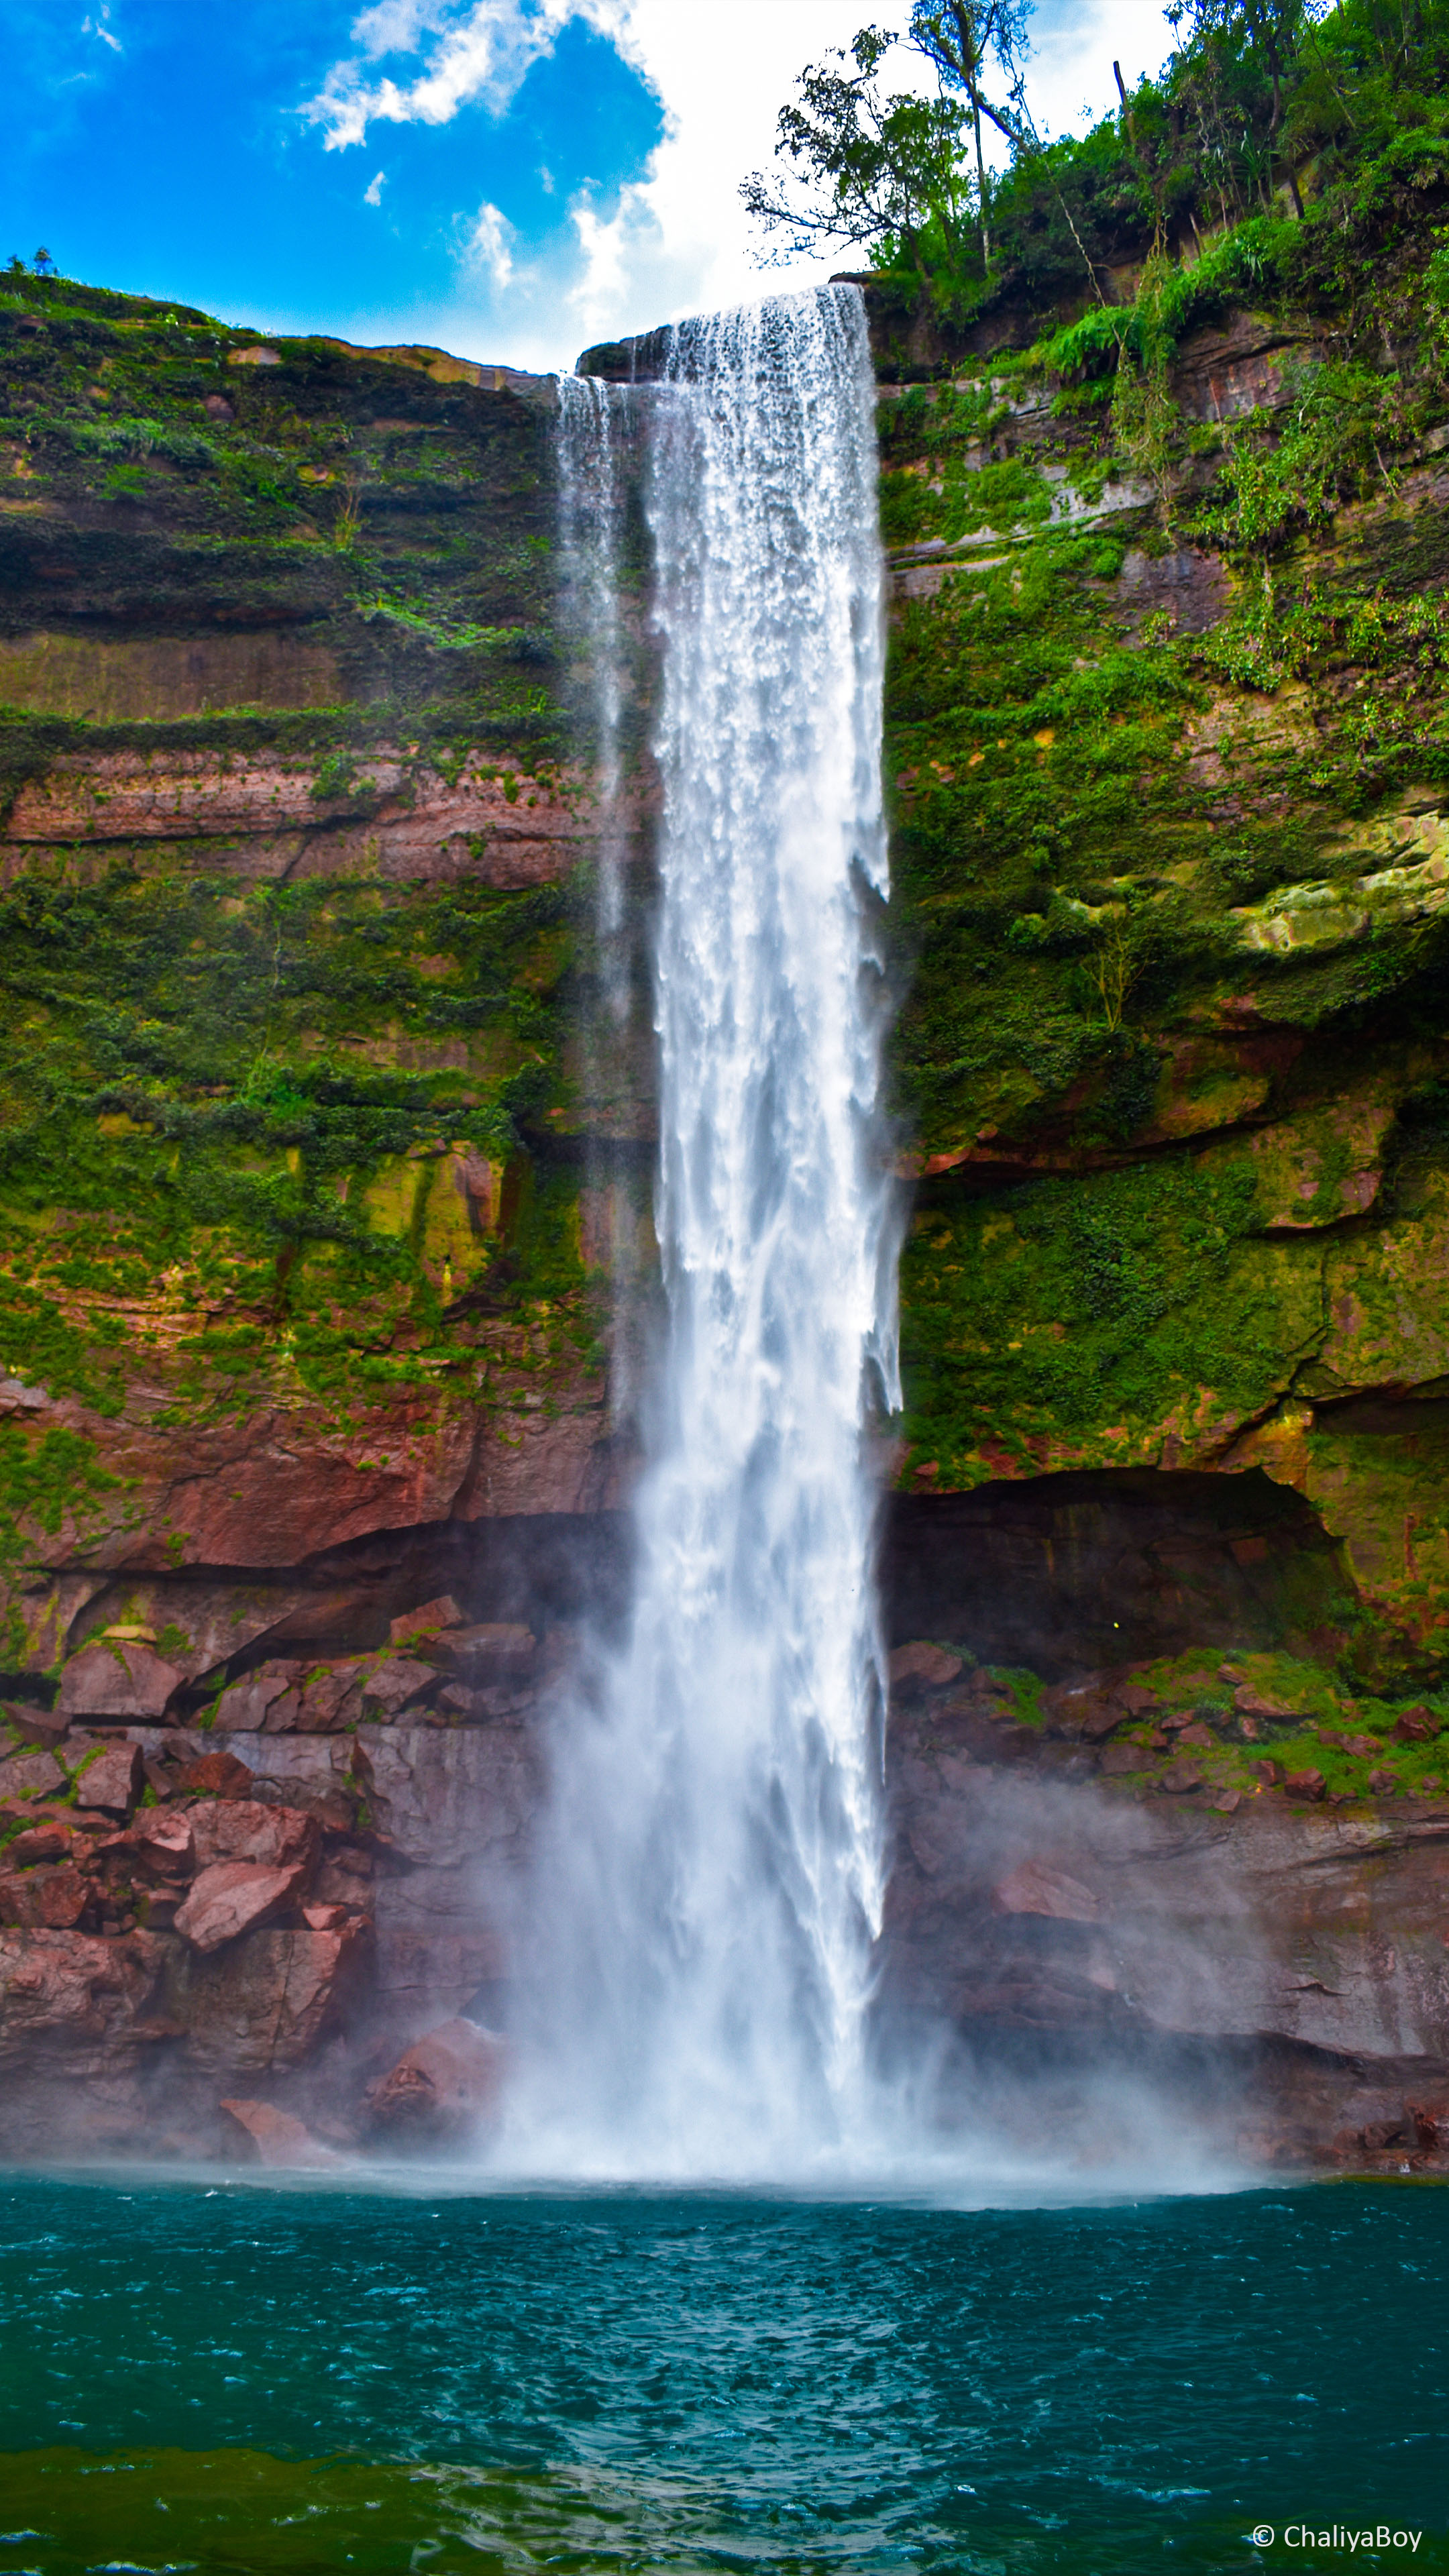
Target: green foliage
48	1480
1289	469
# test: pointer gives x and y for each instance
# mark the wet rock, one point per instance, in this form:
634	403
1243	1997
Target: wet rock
120	1680
268	2002
448	1794
490	1651
324	1918
1383	1783
1034	1888
442	2090
114	1781
1417	1726
1117	1760
235	1896
921	1666
267	2136
1202	1737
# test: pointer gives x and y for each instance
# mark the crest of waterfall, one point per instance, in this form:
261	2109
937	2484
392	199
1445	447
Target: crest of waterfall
709	1886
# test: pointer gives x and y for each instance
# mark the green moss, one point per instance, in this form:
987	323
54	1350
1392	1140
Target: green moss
1068	1320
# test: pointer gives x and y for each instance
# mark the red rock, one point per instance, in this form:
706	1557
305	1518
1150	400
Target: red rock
1118	1759
119	1681
1384	1783
59	1899
332	1699
164	1846
921	1666
113	1781
390	1685
1303	1784
242	1829
215	1775
50	1841
324	1918
268	2002
1268	1771
1251	1703
1137	1699
1199	1735
427	1620
274	2137
1033	1888
1180	1779
1226	1801
1416	1726
268	1698
442	2088
235	1896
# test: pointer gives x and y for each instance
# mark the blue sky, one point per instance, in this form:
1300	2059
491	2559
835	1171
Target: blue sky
507	178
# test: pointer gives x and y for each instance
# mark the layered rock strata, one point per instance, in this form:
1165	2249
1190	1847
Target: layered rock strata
319	1183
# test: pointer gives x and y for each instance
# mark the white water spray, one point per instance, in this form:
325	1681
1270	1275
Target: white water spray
710	1881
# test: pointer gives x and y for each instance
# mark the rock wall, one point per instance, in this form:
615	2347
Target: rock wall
315	1181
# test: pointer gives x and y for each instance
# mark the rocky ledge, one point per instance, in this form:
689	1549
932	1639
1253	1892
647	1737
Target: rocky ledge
278	1927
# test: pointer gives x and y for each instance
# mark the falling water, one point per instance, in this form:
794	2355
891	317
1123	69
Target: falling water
710	1883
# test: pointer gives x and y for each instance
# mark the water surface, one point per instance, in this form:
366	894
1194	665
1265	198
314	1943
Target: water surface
329	2379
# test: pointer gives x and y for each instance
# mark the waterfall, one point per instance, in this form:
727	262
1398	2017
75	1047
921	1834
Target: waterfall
710	1881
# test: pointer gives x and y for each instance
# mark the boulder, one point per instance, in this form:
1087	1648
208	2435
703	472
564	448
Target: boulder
1180	1779
264	2135
1118	1759
394	1683
214	1775
164	1847
47	1841
1033	1888
921	1666
235	1896
267	2003
1303	1784
241	1829
121	1680
442	2089
30	1775
427	1620
113	1782
269	1697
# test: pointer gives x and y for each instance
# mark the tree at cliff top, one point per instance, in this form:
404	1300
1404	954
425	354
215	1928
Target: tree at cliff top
1263	103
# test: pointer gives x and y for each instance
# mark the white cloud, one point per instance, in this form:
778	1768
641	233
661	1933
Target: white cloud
372	194
97	27
483	56
676	239
489	244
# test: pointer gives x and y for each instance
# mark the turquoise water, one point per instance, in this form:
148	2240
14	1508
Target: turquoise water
228	2376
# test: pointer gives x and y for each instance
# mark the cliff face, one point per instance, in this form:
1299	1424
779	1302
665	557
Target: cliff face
304	1224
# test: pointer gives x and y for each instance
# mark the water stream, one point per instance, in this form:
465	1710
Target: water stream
710	1882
